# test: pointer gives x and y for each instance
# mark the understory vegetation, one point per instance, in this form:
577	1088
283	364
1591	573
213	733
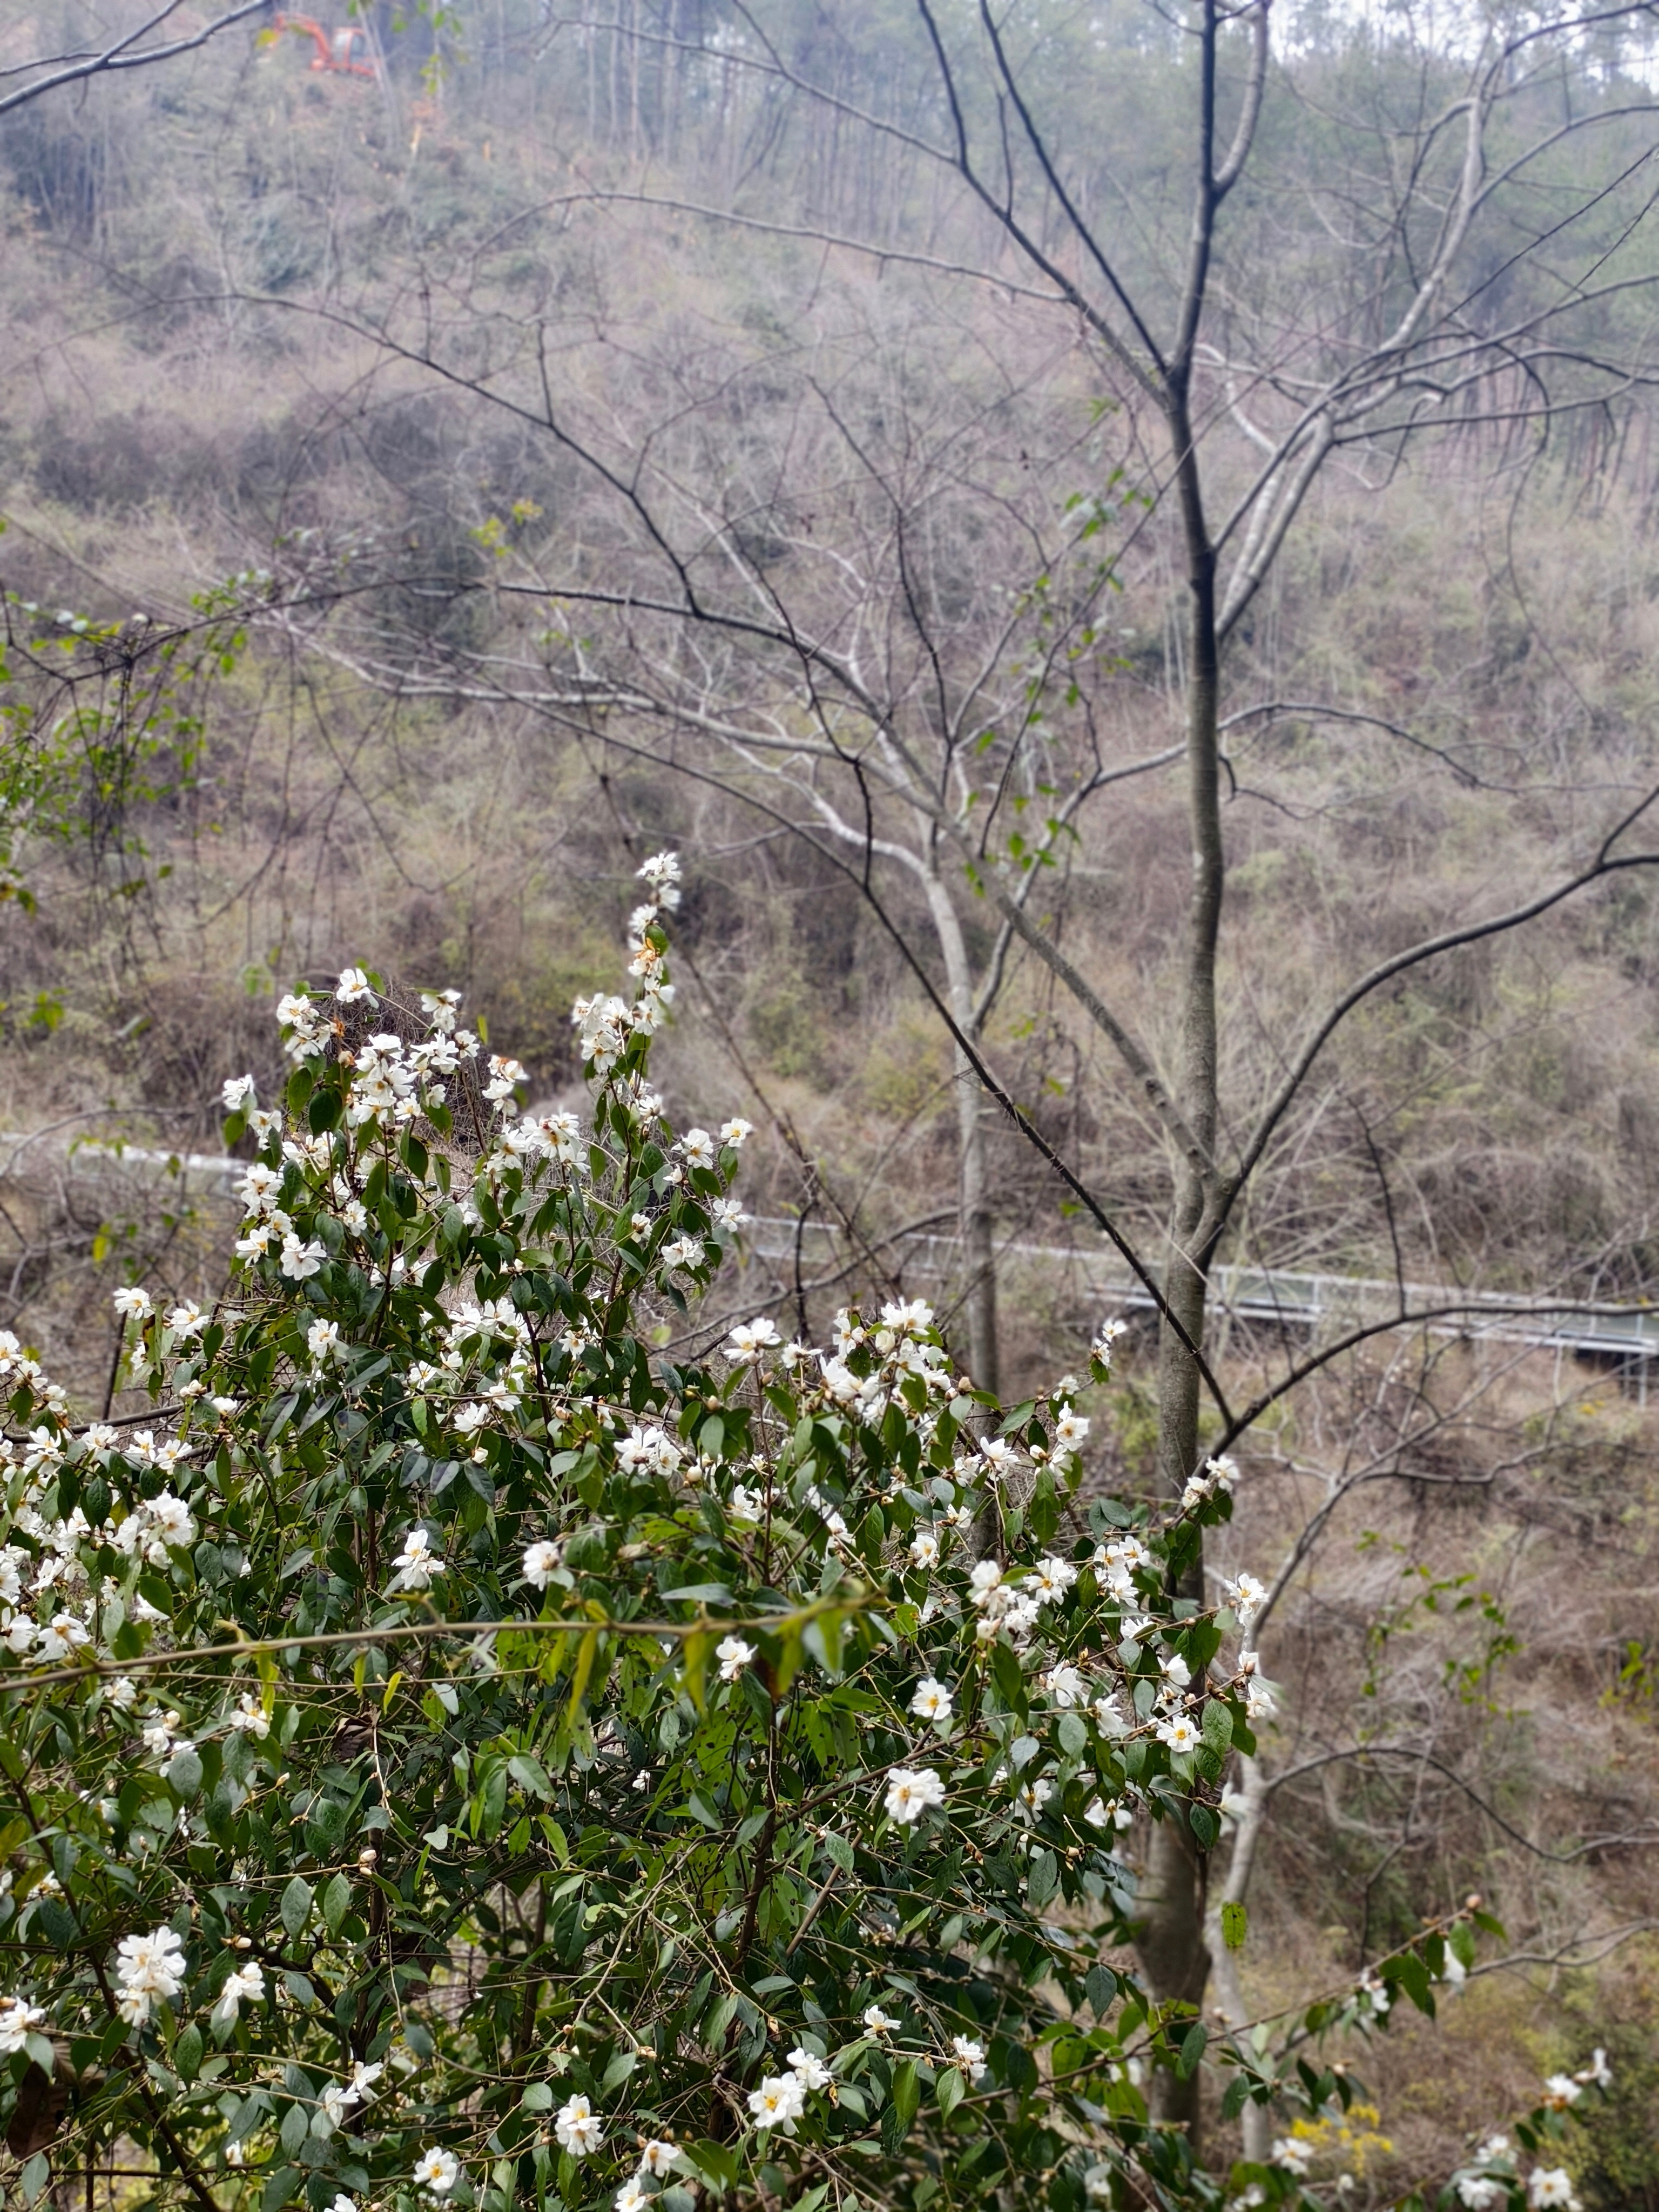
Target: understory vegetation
357	435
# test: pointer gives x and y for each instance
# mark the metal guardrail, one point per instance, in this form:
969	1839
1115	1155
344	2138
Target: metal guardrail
1316	1304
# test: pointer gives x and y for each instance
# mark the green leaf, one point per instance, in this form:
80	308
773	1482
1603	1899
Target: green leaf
295	1907
279	2190
337	1903
1192	2049
1412	1976
37	2172
948	2090
906	2092
185	1773
717	2165
187	2054
619	2071
1235	1920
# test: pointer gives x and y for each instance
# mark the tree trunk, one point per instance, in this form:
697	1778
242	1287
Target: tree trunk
1173	1951
978	1237
1256	2121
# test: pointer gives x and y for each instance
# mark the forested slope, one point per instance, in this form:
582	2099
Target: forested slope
384	408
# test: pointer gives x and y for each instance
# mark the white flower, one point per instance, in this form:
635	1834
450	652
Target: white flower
172	1520
1292	2153
1050	1579
698	1147
1179	1733
643	1779
933	1702
1107	1812
539	1561
18	2017
653	1450
1067	1686
158	1736
1495	2146
778	2103
630	2197
1598	2070
1030	1798
353	986
735	1131
505	1076
658	2157
910	1791
60	1639
364	2078
808	2068
436	2170
1479	2192
578	2128
323	1341
1550	2184
343	2204
1561	2090
1070	1429
301	1261
417	1563
122	1693
1174	1668
147	1967
968	2053
187	1320
924	1549
748	1340
1223	1472
240	1987
734	1655
133	1303
986	1579
877	2022
250	1718
238	1092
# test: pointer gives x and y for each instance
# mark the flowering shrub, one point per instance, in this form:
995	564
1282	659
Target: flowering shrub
469	1745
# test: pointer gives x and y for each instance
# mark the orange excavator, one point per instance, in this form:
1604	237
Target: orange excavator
341	53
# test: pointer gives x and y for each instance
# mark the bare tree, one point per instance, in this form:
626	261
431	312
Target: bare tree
1243	389
155	37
